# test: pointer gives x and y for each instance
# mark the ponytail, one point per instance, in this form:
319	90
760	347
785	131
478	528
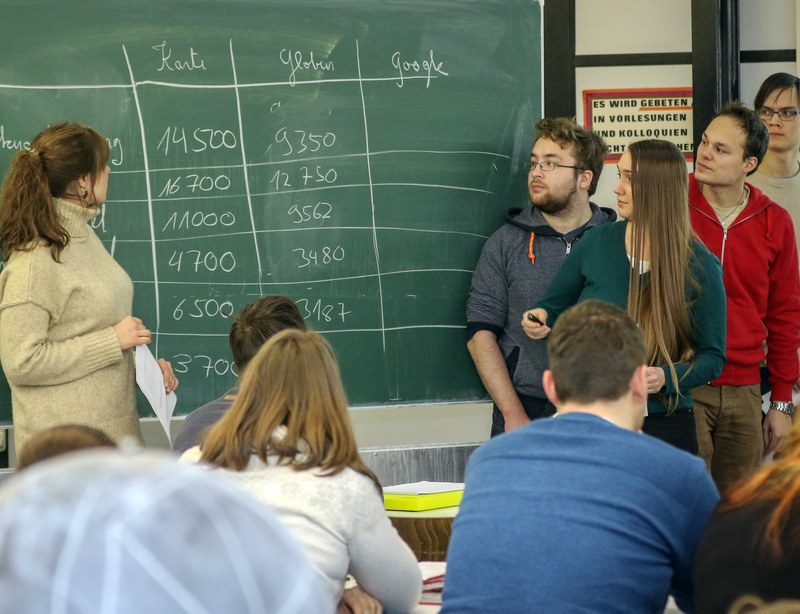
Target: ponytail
27	211
59	155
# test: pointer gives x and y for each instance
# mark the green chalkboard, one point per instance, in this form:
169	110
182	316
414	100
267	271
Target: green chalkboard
352	154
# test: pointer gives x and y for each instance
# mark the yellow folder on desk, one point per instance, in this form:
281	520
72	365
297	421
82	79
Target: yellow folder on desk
422	496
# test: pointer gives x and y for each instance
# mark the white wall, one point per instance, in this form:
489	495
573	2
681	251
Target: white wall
766	24
622	26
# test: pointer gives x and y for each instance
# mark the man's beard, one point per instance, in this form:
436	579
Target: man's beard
547	203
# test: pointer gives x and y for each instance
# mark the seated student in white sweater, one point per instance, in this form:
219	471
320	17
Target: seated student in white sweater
288	441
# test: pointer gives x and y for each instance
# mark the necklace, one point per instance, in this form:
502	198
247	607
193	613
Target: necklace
730	213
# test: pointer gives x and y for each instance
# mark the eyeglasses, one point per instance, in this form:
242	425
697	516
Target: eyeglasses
548	166
788	114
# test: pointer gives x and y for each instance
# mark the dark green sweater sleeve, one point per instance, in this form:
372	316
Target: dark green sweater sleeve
566	287
597	268
708	314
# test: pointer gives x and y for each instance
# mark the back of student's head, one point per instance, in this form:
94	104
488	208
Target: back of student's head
58	155
775	85
259	321
594	349
291	403
589	148
61	439
102	531
755	132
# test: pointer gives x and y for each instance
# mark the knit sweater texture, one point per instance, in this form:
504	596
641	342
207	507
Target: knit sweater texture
341	522
58	349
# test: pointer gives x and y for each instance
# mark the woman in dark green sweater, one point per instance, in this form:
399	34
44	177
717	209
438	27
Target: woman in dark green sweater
669	282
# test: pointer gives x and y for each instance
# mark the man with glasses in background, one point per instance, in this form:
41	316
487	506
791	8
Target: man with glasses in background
777	103
778	176
520	260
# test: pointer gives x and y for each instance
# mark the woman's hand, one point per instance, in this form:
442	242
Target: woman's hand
655	379
171	382
356	601
131	332
534	323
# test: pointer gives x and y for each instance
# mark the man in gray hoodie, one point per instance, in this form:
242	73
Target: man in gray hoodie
520	260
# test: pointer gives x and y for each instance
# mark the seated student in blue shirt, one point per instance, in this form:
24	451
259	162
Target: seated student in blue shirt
581	512
251	329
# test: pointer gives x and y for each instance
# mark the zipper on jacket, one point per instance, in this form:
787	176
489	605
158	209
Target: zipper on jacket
569	246
724	241
724	230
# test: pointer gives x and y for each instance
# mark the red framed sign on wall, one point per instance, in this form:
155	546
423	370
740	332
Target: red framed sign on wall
622	116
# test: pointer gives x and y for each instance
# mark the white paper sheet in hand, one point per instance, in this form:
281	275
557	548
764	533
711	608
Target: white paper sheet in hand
151	383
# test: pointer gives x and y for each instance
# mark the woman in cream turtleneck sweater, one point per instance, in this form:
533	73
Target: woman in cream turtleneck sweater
66	329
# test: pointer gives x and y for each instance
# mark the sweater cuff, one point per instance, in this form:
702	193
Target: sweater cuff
781	391
102	349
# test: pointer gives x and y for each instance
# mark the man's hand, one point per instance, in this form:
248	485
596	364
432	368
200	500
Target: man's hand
356	601
776	428
534	323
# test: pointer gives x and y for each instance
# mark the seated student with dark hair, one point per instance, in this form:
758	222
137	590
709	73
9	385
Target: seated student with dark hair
581	512
251	328
61	439
752	543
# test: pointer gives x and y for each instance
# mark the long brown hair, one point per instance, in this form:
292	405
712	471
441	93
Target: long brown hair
778	481
58	155
658	302
293	382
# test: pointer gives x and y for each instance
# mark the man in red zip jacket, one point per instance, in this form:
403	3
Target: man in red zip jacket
754	239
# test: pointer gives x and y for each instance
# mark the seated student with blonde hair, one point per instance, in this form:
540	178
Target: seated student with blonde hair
752	542
287	440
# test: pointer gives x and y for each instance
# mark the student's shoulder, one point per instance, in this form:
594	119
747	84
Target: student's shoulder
32	276
191	456
673	468
604	235
703	257
606	231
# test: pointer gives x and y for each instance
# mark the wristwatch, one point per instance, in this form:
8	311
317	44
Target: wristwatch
785	407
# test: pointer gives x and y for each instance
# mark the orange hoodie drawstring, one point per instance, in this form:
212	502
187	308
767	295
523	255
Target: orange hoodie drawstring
531	255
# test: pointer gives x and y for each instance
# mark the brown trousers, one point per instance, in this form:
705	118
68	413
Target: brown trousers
729	435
